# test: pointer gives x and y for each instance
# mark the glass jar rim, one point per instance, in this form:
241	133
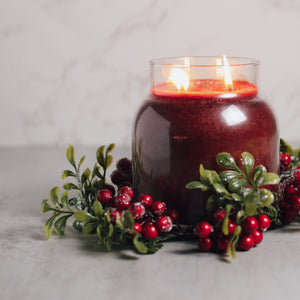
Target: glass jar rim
233	61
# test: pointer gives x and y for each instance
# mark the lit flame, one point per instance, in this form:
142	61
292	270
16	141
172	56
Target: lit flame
181	77
224	71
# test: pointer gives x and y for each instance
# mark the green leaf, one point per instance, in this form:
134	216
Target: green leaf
85	175
109	160
60	225
266	197
224	159
203	175
81	161
99	233
110	148
197	185
212	203
70	156
64	199
45	206
213	177
127	219
139	245
258	175
89	227
285	147
236	185
236	197
84	216
100	156
77	202
248	162
250	202
110	230
48	226
220	189
54	195
70	186
227	176
77	225
67	173
98	209
270	178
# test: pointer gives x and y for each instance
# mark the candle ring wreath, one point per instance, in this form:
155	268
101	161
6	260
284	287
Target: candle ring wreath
241	206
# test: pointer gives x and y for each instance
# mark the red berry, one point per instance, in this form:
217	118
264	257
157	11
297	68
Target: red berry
203	229
158	208
285	159
231	227
264	222
222	243
104	196
246	242
137	227
219	215
126	190
122	201
164	224
146	200
205	244
111	188
124	165
257	236
288	217
173	214
149	231
113	212
137	210
290	190
249	225
296	176
295	203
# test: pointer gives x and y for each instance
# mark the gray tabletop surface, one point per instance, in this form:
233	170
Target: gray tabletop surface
75	267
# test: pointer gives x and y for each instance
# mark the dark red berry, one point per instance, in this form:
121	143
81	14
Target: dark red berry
231	227
203	229
113	212
246	242
117	177
146	200
289	217
137	227
264	222
124	165
122	201
137	210
222	243
164	224
249	225
126	190
173	214
125	183
257	236
205	244
149	231
219	215
285	159
104	196
158	208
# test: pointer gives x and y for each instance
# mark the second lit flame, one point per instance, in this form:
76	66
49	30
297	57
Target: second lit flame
224	71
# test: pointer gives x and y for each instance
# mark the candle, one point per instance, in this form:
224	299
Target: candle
195	111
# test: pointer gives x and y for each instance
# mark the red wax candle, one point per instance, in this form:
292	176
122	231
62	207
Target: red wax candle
176	130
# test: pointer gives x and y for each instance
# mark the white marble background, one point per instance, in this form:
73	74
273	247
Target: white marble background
76	71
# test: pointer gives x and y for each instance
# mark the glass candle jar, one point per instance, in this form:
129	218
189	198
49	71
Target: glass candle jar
198	107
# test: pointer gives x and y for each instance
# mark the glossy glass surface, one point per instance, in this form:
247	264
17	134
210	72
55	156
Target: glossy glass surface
173	135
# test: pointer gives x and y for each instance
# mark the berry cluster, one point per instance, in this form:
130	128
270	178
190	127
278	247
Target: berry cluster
151	217
289	201
211	237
